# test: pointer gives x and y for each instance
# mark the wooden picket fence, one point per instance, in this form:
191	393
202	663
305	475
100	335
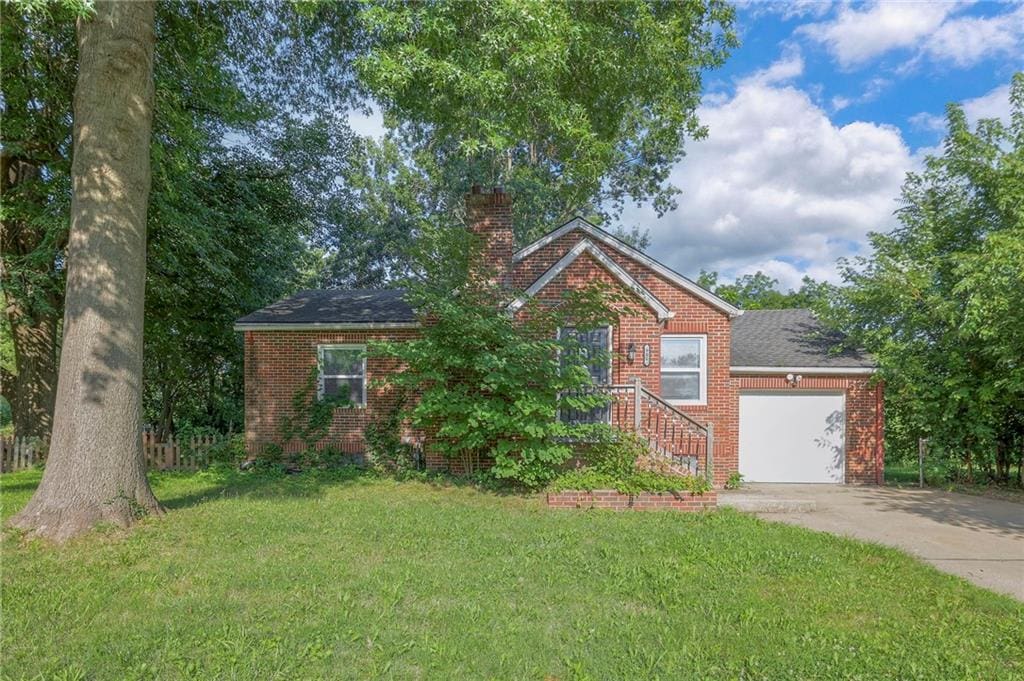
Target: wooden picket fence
19	453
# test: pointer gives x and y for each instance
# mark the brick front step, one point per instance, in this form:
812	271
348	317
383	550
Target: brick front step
645	501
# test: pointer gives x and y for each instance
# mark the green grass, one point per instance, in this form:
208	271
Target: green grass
346	576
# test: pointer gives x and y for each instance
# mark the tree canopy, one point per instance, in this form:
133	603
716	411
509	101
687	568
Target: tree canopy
759	291
938	302
575	107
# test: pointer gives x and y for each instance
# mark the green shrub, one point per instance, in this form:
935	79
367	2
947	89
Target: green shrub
385	451
635	482
271	454
491	386
229	450
612	452
735	480
623	462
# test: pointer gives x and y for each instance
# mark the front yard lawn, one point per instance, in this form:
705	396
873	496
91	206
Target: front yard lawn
348	576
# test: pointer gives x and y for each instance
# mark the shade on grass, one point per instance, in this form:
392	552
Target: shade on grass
347	576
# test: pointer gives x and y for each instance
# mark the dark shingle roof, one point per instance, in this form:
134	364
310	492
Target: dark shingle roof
788	338
354	306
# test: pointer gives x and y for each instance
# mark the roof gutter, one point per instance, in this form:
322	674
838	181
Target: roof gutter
811	371
324	326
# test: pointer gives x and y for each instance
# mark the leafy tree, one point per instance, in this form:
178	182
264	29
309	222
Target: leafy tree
758	291
937	302
490	385
572	107
201	279
206	53
38	65
231	80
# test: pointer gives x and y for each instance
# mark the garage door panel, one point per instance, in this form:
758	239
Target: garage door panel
792	437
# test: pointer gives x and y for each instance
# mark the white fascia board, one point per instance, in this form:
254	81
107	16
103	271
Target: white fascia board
627	250
325	326
586	246
812	371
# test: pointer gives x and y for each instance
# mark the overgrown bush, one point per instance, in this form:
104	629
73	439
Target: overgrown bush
491	384
612	452
229	450
612	459
385	450
634	482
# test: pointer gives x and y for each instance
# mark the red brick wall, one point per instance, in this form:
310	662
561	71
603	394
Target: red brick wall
692	316
864	418
489	217
647	501
277	365
695	316
277	362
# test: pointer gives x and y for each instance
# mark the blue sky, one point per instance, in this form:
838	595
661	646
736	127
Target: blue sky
814	122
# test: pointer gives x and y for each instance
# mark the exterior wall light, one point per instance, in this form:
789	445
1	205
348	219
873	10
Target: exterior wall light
631	352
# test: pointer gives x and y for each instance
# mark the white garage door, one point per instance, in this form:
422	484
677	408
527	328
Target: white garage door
792	436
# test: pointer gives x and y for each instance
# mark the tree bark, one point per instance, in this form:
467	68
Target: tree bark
33	389
95	471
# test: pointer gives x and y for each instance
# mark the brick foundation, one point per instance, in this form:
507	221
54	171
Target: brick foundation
645	501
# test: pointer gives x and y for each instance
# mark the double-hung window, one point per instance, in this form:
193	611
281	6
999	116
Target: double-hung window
343	373
684	369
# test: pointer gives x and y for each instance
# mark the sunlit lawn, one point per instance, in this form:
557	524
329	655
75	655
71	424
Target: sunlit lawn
348	576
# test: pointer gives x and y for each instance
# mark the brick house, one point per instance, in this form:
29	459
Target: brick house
758	390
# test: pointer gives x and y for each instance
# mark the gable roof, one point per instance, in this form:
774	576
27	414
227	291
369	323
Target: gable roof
790	339
630	252
587	246
333	308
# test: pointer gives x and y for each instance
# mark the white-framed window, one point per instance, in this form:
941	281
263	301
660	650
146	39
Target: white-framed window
684	369
342	372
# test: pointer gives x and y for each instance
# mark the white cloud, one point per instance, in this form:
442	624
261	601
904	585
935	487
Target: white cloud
789	275
777	183
993	104
857	35
927	121
931	30
965	41
872	89
787	10
788	67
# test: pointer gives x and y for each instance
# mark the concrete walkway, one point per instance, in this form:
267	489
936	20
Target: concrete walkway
977	538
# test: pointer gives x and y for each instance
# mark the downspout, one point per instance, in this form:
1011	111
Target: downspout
879	432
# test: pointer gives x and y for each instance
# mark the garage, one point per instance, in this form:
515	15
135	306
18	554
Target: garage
792	436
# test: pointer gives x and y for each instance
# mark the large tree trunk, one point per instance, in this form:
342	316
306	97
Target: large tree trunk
95	470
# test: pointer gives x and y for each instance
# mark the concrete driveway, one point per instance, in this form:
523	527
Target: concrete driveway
977	538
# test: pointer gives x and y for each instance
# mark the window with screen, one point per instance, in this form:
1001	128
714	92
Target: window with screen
343	373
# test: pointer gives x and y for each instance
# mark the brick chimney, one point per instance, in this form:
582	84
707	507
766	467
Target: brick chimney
489	216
